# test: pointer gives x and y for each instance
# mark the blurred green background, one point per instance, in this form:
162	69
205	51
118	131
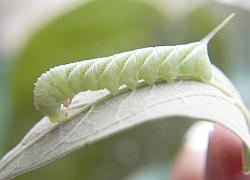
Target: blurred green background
88	29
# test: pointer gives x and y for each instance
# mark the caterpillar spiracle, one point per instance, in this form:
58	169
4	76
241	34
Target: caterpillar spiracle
61	83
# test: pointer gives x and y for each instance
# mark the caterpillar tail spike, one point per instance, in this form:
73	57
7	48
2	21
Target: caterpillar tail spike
188	61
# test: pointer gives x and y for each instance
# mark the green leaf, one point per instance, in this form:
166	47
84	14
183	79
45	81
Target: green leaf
97	28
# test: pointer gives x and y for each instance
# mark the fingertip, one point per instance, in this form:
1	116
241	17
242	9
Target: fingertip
224	159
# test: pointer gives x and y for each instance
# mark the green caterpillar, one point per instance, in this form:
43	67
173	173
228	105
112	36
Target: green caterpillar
58	85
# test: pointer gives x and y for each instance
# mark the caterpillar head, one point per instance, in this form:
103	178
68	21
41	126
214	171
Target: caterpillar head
47	100
49	106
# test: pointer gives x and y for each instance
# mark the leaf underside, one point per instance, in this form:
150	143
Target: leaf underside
46	142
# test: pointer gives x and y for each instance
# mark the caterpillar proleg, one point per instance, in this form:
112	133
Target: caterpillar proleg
58	85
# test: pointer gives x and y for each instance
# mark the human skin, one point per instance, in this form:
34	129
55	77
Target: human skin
221	161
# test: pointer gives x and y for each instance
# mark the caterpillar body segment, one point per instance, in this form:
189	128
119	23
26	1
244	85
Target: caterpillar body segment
59	84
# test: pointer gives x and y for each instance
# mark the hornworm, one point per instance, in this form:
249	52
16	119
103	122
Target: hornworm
58	85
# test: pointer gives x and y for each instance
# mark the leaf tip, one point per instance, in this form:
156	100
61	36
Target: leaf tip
246	159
